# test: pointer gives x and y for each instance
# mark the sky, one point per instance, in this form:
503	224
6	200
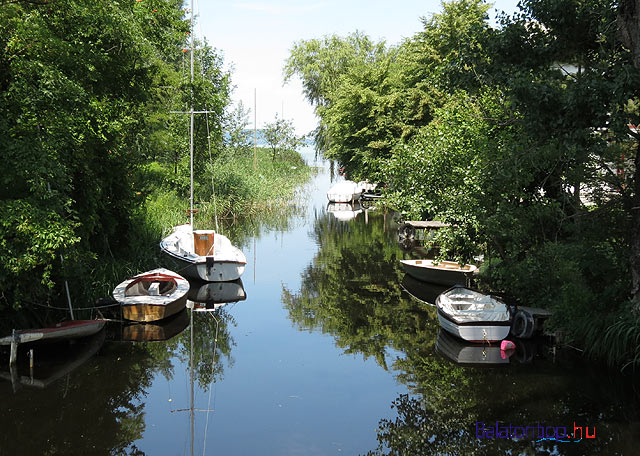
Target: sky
255	38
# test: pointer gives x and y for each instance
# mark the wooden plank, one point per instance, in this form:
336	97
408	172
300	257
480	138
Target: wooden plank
426	224
203	243
536	311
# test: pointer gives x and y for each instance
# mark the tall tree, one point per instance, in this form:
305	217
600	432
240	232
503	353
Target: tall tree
76	80
629	32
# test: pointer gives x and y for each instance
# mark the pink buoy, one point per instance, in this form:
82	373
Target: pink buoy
507	345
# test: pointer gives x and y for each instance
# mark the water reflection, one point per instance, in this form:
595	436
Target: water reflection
424	292
90	396
353	290
50	362
345	211
83	412
155	331
469	354
211	295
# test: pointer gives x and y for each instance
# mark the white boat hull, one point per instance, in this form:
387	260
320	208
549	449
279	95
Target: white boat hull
344	192
225	264
445	273
199	270
473	316
477	333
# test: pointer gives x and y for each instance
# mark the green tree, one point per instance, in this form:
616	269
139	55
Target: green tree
281	137
238	139
76	86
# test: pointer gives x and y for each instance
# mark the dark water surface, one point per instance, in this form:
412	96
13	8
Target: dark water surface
331	352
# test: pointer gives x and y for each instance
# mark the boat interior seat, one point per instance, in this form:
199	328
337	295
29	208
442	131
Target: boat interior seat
154	289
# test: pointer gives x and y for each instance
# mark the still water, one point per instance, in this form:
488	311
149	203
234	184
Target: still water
328	349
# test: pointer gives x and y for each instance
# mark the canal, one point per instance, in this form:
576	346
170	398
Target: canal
327	349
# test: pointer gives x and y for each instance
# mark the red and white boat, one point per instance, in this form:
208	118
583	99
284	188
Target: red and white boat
152	295
72	329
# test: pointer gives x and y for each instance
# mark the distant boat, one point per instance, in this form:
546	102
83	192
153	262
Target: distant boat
152	295
473	316
72	329
446	273
204	254
469	354
344	192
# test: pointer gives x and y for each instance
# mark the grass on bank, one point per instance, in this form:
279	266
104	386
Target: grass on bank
241	192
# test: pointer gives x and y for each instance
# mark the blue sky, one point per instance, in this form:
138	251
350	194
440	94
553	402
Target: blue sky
255	38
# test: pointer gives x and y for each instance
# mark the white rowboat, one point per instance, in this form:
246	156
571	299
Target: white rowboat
473	316
445	273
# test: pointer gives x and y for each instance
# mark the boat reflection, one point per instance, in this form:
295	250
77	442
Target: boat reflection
345	211
52	361
155	331
425	292
213	295
470	354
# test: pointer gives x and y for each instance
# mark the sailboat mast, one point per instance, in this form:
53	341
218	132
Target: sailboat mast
191	116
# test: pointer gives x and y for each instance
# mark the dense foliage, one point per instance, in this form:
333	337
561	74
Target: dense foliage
353	291
515	135
94	134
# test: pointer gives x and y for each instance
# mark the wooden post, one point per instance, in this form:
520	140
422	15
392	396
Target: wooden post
15	379
14	348
255	130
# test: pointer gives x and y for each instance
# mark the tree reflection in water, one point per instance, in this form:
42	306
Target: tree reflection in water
99	408
352	290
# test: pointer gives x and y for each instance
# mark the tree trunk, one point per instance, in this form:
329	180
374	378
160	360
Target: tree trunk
635	234
629	27
629	33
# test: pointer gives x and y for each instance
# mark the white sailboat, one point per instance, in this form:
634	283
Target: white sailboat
202	254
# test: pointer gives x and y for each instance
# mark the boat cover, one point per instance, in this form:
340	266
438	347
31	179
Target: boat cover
465	305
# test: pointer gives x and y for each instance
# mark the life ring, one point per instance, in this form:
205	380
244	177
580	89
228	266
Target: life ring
522	324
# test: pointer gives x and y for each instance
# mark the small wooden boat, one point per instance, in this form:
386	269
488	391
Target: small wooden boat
73	329
446	273
344	192
473	316
152	295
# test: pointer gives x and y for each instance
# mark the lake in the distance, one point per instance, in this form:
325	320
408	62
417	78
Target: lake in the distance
331	352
